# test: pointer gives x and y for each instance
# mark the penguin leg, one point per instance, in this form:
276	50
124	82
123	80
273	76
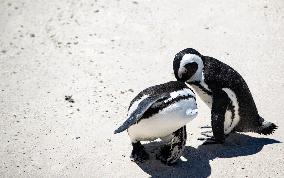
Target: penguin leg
138	153
175	144
219	107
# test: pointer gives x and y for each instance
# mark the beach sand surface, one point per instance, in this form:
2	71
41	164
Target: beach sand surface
99	54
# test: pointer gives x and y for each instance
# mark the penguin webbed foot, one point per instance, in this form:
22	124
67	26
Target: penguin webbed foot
138	153
212	140
206	127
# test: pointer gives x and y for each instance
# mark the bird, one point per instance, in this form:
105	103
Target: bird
160	111
224	91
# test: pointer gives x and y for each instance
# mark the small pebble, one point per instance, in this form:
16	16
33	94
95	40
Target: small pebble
69	99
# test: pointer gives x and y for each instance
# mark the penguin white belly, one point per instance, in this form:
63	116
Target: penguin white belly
230	120
164	122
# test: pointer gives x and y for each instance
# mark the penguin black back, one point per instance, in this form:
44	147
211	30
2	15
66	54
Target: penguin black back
165	88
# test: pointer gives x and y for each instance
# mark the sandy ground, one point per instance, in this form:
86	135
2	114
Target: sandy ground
103	53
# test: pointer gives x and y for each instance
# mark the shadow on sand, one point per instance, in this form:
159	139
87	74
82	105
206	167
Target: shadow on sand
197	164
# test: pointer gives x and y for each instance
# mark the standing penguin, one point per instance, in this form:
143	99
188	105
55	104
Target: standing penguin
160	111
224	90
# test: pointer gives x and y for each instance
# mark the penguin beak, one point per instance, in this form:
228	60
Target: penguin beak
182	79
178	77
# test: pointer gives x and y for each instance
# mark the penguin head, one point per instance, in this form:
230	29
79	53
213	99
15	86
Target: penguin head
188	65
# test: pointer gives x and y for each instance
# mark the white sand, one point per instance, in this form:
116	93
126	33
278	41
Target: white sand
97	52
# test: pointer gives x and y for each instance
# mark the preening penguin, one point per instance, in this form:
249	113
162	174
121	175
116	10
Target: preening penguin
160	111
224	90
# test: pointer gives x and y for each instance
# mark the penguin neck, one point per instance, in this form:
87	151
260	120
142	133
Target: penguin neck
201	84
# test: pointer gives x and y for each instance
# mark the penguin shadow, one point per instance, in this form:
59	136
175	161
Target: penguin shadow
196	162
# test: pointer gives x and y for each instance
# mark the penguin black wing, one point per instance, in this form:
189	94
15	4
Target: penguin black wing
143	106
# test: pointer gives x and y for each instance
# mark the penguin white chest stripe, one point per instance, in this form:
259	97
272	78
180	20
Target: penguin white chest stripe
176	95
184	92
232	117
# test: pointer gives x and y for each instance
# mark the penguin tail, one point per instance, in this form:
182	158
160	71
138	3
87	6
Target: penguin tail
267	128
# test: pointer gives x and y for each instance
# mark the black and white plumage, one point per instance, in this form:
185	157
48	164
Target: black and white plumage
160	111
224	90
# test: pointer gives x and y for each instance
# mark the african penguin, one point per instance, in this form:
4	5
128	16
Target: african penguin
224	90
160	111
